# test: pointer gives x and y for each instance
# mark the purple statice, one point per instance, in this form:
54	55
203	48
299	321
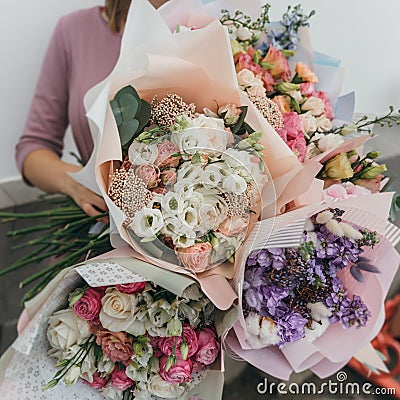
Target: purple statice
291	327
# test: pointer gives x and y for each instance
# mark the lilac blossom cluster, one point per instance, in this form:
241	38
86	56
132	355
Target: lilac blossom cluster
283	284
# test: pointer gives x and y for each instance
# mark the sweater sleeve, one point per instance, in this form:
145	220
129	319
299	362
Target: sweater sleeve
48	115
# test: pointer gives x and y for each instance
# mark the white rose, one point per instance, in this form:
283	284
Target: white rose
312	150
66	329
261	332
315	105
158	387
309	122
140	153
245	78
211	214
243	33
329	141
236	158
235	184
110	392
324	124
147	222
118	309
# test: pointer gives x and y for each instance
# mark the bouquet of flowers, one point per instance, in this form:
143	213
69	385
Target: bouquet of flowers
299	301
189	185
117	335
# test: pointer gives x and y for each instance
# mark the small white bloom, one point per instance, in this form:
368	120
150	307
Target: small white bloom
236	158
315	105
212	176
140	153
243	33
327	142
316	330
170	204
105	366
147	222
296	94
88	367
324	124
309	122
135	373
163	389
235	184
160	312
72	375
203	121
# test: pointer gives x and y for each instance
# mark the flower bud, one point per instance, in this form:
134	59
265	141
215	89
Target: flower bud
171	360
184	349
72	375
51	384
285	87
373	154
75	296
372	171
174	327
346	130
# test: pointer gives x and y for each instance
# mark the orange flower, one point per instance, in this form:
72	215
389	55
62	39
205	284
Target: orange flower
305	73
283	103
280	69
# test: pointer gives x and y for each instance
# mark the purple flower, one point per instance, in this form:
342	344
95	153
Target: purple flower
291	327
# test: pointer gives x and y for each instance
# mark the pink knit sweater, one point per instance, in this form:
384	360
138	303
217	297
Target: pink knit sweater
81	53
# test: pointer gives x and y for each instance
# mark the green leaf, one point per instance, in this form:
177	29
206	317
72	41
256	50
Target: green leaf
235	129
128	106
127	130
116	111
127	90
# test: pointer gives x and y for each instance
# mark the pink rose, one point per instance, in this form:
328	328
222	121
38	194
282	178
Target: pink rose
117	346
165	151
98	381
168	177
177	373
195	258
245	61
307	88
299	147
280	69
160	190
292	134
232	226
208	346
120	380
328	110
89	305
268	81
149	173
131	287
166	344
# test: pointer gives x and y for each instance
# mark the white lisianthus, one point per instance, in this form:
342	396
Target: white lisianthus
66	329
188	172
170	204
105	366
140	153
160	312
261	332
181	234
136	374
118	309
309	122
245	78
257	89
88	367
225	246
324	124
147	222
315	105
188	217
163	389
212	176
217	140
110	392
327	142
236	158
189	141
144	358
235	184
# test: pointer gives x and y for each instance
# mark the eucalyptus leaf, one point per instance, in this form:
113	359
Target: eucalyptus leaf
127	90
116	111
127	131
128	106
143	115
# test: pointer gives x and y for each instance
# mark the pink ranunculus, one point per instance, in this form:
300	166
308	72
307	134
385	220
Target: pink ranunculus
233	226
280	69
168	177
245	61
98	381
209	346
120	380
336	191
89	305
149	173
131	287
166	344
307	88
328	109
177	373
117	346
168	155
195	258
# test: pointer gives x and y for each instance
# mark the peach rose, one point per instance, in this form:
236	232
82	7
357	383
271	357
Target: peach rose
168	177
167	155
283	102
305	73
196	258
117	346
232	226
149	173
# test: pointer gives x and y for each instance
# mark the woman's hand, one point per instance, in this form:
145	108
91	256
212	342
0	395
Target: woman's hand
45	170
